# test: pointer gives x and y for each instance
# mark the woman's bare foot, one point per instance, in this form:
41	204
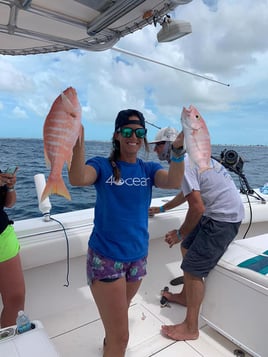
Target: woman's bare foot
179	332
176	298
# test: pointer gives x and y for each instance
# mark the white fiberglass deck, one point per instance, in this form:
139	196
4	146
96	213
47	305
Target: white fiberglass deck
71	319
69	314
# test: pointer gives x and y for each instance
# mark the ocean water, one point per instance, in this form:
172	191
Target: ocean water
28	155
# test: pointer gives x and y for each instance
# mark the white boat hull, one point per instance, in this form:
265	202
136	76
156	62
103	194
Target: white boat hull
236	300
69	314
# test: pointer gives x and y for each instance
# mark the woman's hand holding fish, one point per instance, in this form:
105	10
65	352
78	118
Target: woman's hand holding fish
177	148
79	173
178	142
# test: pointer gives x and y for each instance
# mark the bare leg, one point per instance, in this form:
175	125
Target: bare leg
132	288
177	298
113	300
188	329
12	289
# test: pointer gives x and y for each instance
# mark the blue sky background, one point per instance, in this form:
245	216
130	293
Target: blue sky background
228	43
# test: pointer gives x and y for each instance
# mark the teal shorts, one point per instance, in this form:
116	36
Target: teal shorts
9	244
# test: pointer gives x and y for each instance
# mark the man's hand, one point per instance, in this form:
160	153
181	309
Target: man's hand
154	210
172	238
7	179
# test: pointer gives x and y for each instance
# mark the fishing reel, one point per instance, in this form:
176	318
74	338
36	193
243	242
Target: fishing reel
232	161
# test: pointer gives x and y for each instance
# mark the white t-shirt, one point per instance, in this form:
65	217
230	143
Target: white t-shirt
218	191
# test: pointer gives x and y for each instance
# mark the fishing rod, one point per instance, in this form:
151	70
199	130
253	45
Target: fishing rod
158	127
168	65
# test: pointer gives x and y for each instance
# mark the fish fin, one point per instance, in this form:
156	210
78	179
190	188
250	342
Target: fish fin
55	187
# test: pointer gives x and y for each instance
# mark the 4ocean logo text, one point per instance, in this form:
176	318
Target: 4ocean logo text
130	181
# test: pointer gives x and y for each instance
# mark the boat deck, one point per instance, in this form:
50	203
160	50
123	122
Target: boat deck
69	314
71	319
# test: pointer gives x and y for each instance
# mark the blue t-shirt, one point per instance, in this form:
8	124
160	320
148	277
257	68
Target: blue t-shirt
121	212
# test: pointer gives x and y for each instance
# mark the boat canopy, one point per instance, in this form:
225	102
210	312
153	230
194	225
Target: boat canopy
42	26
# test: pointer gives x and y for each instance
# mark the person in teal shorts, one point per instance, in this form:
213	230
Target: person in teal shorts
12	286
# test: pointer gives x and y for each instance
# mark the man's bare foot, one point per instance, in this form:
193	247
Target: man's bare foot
179	332
176	298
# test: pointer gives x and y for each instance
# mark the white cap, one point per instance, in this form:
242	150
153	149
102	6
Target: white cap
165	134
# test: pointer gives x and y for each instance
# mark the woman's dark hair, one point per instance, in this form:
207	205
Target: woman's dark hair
115	154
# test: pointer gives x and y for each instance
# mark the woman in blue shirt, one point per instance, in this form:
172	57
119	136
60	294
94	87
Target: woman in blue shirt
118	245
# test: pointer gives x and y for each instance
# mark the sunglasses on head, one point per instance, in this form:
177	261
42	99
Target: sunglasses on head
160	143
128	132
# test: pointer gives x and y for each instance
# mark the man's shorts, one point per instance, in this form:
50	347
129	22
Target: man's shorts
9	244
206	244
108	270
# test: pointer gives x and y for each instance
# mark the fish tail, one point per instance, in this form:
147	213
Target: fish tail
56	187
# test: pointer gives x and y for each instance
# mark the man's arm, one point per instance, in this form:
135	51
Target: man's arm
174	176
176	201
193	216
194	213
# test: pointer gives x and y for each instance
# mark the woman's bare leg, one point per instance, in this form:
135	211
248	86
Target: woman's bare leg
113	299
12	289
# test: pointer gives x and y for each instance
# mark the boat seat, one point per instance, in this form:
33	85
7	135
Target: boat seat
248	258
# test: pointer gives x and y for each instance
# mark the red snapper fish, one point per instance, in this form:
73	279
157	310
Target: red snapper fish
196	138
61	130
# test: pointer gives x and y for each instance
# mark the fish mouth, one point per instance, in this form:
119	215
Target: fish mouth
186	112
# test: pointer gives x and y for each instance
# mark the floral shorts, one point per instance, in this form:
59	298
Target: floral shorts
108	270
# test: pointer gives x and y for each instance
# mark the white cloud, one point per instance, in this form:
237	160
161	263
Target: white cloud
19	113
12	79
228	44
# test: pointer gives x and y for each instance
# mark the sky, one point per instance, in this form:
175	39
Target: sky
228	43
